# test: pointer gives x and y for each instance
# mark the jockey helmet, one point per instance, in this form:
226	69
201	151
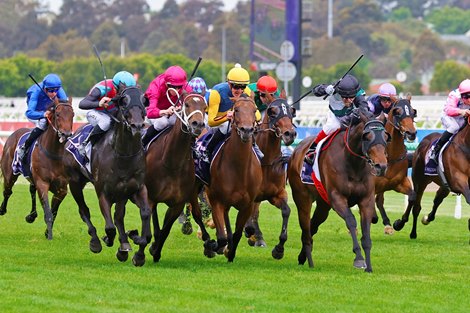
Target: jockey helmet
198	85
238	75
175	76
266	84
464	86
348	86
124	77
52	81
387	90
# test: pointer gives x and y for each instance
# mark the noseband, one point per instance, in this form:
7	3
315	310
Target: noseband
183	115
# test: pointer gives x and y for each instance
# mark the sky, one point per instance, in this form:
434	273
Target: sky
155	5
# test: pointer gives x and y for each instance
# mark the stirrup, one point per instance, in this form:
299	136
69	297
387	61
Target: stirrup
309	157
82	149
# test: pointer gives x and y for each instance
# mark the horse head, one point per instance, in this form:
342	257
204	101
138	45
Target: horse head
130	102
374	140
244	117
402	116
193	112
60	118
280	115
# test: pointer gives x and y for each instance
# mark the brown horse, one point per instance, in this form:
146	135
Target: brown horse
118	173
456	162
345	173
400	125
170	176
276	126
47	170
235	180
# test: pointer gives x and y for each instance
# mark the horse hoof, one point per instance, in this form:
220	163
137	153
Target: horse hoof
209	253
156	258
398	225
375	219
388	230
122	256
360	264
425	220
3	211
187	228
413	236
226	252
138	260
125	246
278	252
251	240
95	245
108	242
260	243
48	234
133	233
30	218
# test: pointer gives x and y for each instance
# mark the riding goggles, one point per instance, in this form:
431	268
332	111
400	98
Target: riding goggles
466	96
52	89
238	86
385	99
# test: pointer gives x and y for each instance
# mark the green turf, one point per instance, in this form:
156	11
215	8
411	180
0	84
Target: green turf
430	274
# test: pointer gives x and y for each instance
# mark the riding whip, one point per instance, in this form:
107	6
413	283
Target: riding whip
352	66
34	80
190	77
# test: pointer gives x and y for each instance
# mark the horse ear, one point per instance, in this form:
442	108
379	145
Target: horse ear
408	96
283	94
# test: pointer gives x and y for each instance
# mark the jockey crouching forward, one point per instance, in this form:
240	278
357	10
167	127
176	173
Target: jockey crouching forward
38	101
343	99
163	94
220	106
98	101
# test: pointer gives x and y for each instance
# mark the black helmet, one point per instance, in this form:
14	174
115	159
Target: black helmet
348	87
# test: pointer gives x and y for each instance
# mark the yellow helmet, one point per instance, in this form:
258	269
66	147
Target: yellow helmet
238	75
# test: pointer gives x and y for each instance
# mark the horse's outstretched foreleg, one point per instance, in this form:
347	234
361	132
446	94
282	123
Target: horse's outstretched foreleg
218	214
441	194
412	200
171	216
6	195
366	241
252	230
109	228
156	232
119	213
234	239
345	212
33	214
57	199
278	250
140	199
76	189
43	190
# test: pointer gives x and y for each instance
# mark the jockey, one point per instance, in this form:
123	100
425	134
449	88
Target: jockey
163	94
454	116
383	100
347	95
265	84
198	85
220	105
98	101
38	99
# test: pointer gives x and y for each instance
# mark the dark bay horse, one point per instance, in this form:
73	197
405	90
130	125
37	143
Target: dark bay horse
118	174
170	176
236	178
345	171
456	162
400	126
47	170
276	126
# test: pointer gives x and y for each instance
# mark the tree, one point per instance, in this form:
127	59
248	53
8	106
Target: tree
448	75
449	20
427	51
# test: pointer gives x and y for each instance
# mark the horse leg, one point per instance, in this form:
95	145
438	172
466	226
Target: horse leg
171	216
119	213
43	190
57	199
278	250
218	215
441	194
379	201
242	216
303	202
109	228
8	181
156	231
416	210
76	189
252	230
366	241
210	245
412	201
141	200
31	217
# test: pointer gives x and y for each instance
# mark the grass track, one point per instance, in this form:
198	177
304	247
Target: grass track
430	274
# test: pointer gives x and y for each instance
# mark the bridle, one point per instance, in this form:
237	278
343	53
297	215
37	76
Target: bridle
123	109
53	123
285	109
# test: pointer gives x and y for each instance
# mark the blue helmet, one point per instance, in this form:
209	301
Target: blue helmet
124	77
52	81
198	85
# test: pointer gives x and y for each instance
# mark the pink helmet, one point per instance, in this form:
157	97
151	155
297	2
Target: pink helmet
387	90
464	86
175	75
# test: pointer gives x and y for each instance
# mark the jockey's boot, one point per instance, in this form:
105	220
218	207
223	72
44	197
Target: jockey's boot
217	137
23	149
439	144
258	151
310	155
92	137
149	135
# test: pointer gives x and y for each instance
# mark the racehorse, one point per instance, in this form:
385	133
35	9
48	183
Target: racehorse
117	173
400	125
456	163
47	170
170	174
235	180
276	126
345	171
